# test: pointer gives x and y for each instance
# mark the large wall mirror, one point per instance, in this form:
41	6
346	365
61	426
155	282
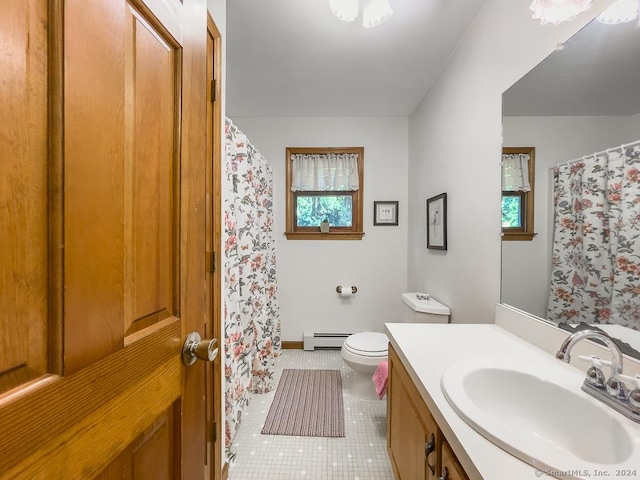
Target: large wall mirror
581	100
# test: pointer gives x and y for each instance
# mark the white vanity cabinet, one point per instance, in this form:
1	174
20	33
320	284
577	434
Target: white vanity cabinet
417	447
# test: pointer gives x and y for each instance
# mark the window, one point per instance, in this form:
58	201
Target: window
518	174
324	184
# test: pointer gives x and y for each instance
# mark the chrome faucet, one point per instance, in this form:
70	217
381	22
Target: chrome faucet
565	349
614	392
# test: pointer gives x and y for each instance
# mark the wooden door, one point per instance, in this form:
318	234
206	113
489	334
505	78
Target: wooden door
102	240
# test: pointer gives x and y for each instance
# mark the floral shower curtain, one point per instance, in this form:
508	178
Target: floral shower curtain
251	312
595	271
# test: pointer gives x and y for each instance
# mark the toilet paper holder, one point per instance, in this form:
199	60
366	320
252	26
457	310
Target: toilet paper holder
353	289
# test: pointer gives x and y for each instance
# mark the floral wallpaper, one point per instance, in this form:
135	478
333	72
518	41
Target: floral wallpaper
595	271
251	312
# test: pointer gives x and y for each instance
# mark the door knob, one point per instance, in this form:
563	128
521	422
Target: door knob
194	348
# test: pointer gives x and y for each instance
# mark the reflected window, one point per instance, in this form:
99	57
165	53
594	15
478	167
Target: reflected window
518	174
512	210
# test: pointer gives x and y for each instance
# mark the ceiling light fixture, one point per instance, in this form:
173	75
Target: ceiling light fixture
374	13
620	12
345	10
558	11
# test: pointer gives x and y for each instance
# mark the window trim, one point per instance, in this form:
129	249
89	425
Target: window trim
355	232
526	232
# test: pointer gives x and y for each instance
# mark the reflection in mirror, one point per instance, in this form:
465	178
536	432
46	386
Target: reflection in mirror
580	109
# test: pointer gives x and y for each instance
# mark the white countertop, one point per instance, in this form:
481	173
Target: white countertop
427	350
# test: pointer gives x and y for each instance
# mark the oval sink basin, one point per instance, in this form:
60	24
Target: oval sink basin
539	414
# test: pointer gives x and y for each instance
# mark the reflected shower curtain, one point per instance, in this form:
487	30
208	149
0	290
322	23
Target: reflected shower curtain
251	313
595	270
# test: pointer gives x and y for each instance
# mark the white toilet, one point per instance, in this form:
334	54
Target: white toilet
365	350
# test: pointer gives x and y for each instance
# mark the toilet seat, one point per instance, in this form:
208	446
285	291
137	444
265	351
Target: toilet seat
372	345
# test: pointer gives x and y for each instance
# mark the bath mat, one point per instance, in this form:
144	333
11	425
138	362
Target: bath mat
307	403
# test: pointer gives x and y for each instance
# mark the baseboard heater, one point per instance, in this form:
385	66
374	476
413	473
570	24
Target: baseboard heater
323	340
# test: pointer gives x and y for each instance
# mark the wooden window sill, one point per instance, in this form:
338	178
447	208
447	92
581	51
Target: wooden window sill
518	236
324	236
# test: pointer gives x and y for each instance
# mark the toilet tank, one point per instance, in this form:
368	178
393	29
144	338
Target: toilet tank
423	311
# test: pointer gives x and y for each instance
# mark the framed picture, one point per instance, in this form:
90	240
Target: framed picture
437	222
385	213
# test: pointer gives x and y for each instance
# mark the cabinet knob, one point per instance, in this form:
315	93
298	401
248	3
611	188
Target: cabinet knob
445	474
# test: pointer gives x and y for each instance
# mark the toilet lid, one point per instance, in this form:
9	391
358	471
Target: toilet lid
372	344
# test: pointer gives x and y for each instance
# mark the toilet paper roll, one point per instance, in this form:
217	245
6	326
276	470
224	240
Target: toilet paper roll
345	291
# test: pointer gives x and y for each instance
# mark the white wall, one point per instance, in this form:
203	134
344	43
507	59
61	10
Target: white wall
455	146
218	11
526	265
309	270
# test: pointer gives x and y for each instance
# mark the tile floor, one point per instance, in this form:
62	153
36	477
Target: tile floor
360	455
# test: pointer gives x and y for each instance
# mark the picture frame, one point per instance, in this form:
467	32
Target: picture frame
437	222
385	213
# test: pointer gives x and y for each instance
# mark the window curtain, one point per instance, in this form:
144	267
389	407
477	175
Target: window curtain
251	312
325	172
515	172
595	271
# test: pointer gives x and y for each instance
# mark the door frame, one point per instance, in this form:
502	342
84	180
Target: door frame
215	371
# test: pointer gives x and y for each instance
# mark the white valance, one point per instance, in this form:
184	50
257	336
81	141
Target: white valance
515	172
329	172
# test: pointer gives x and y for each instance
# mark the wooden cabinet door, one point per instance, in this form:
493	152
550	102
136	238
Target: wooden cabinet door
407	437
102	240
451	469
411	432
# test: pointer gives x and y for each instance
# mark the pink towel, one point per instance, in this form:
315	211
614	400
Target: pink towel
380	378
